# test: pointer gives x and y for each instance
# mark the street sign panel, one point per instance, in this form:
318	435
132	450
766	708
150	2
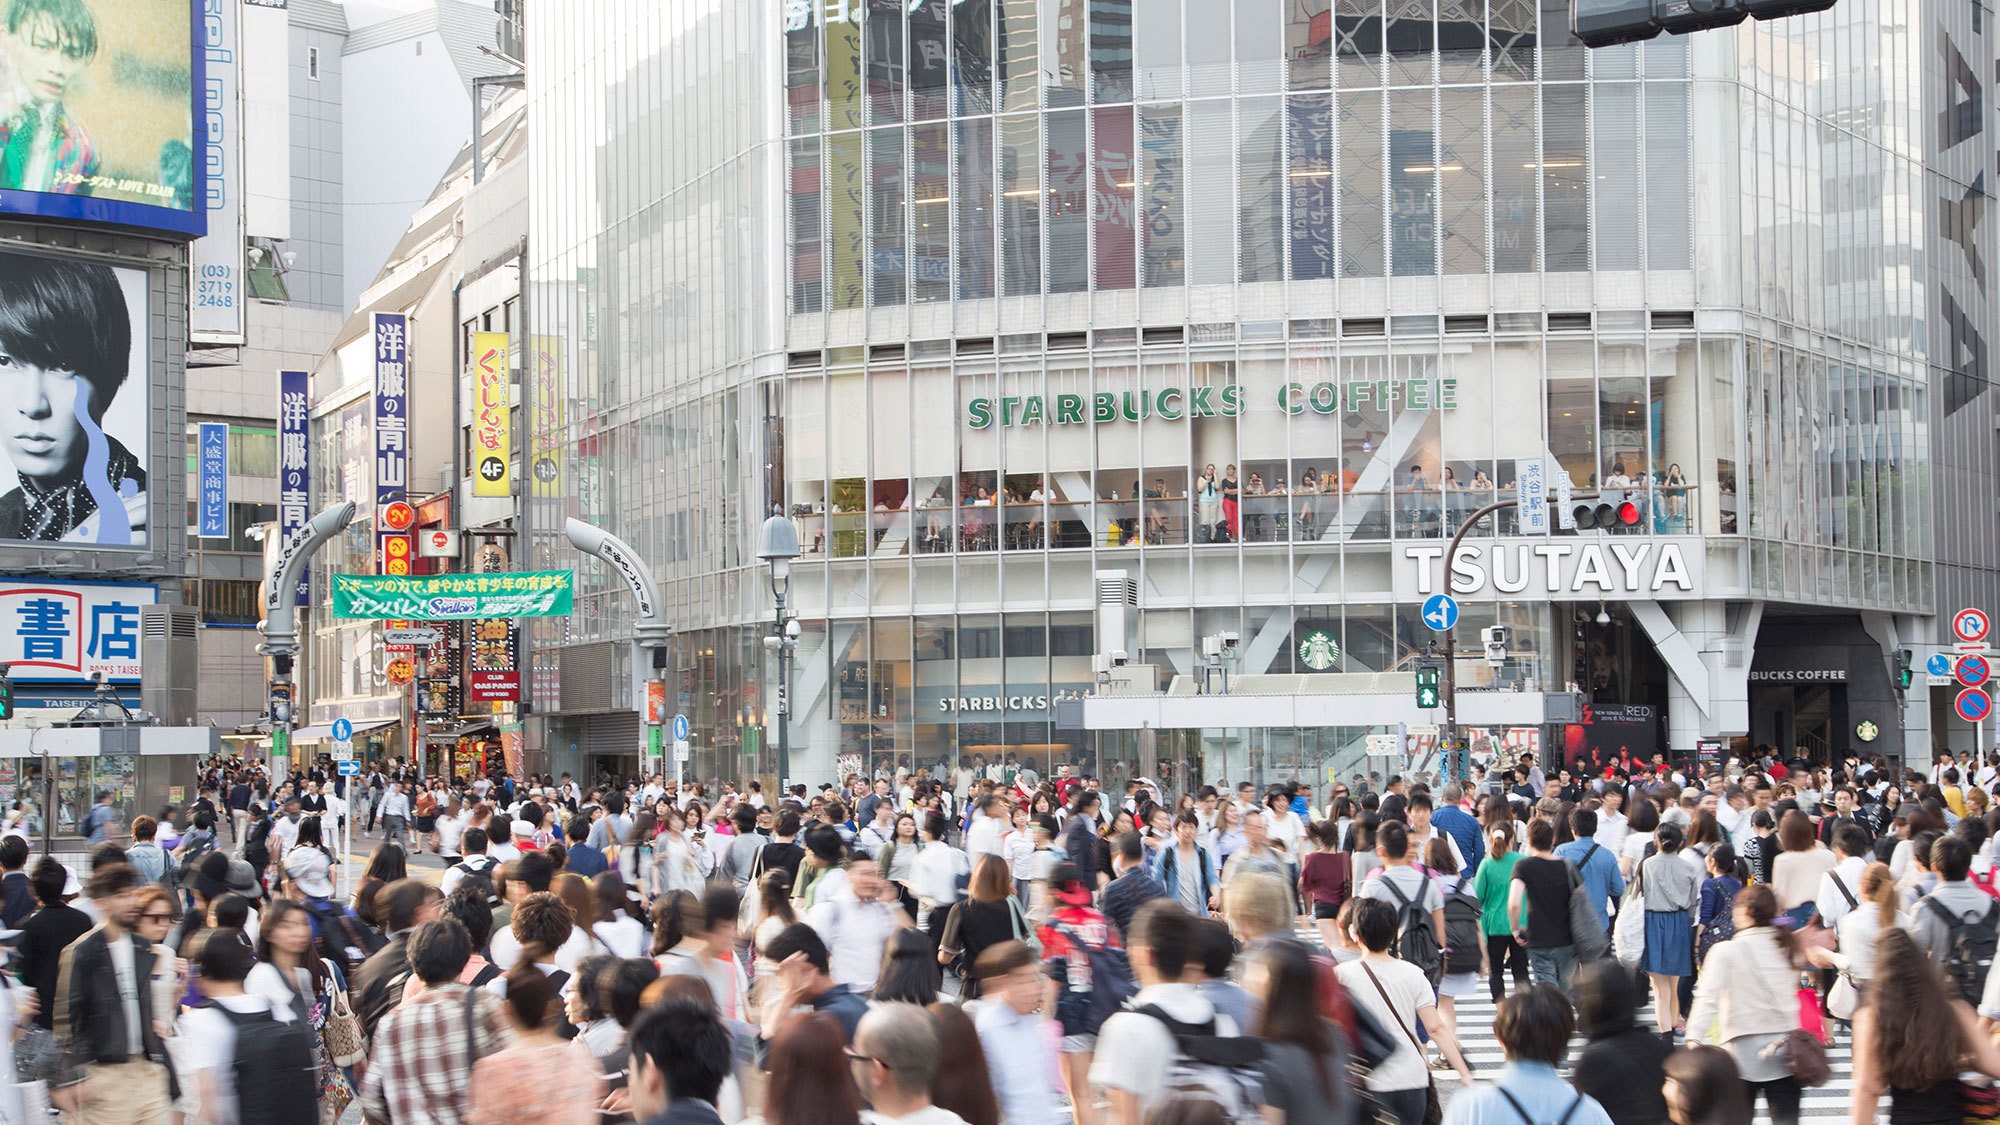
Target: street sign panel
343	750
1973	670
680	749
343	730
680	728
411	635
1939	664
349	768
1971	625
1440	612
1973	705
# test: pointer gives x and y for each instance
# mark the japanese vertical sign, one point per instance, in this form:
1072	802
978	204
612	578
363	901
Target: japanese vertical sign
392	429
492	440
215	313
549	393
294	463
214	482
492	651
55	631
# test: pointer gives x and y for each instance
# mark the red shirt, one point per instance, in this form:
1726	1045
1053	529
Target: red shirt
1090	925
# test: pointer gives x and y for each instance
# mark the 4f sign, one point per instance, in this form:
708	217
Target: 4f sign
492	435
1971	625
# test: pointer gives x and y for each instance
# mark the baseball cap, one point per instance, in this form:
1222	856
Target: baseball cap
1066	883
310	871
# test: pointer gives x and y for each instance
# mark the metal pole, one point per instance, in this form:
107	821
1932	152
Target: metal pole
785	645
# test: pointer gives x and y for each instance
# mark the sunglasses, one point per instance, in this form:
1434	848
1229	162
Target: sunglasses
150	916
856	1056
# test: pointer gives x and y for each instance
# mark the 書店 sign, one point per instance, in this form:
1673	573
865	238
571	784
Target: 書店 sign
449	597
1635	566
64	631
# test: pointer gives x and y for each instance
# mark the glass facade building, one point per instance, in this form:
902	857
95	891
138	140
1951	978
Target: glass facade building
1254	302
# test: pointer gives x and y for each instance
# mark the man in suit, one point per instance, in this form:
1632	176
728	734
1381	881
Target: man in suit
17	891
115	1069
680	1053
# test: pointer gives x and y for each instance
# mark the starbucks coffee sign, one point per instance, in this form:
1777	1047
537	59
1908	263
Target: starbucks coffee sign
1319	651
1171	404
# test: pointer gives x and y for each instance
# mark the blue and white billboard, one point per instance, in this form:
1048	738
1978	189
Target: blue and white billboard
98	105
213	480
294	464
71	630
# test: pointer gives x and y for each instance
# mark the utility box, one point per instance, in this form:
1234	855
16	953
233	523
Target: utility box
170	663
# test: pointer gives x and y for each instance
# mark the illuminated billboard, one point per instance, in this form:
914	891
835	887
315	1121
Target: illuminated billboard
73	401
97	112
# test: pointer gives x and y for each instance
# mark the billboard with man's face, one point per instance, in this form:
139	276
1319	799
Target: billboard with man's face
73	409
97	112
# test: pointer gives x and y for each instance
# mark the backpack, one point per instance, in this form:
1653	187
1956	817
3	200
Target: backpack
1968	947
344	940
1464	937
1206	1067
481	876
1416	937
1083	1012
256	844
274	1069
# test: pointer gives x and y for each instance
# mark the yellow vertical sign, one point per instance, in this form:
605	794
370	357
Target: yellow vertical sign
492	435
548	395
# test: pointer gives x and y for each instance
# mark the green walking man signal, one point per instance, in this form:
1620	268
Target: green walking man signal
6	694
1429	694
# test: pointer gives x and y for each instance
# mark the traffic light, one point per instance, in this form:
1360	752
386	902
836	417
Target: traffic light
6	696
1611	511
1904	672
1429	694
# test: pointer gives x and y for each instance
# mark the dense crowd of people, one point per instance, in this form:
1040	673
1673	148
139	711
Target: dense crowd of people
988	948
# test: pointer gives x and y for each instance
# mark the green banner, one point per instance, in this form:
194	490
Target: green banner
452	597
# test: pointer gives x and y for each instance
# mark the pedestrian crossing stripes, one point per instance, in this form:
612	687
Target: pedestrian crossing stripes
1482	1053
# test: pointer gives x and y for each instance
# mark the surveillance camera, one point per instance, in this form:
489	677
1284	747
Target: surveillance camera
771	642
1231	640
792	628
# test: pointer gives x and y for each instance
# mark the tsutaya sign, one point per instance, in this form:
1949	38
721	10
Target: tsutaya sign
1214	401
1615	566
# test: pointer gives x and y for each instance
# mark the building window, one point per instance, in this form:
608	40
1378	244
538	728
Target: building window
312	63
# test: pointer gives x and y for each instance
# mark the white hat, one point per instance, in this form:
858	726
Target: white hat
523	828
310	871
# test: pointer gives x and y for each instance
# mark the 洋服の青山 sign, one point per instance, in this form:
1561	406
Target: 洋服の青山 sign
446	597
1172	404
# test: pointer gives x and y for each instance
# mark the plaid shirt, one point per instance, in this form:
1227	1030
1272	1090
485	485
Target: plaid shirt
420	1063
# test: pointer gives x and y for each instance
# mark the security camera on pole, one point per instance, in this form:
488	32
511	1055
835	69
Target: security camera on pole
650	630
778	545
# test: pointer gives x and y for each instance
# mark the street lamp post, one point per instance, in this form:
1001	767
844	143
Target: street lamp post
778	545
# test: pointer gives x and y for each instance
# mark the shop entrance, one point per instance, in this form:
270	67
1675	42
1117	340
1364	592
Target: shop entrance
1806	715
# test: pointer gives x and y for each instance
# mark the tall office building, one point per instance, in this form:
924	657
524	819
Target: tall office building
977	292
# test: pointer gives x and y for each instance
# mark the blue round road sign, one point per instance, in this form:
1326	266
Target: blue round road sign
1440	612
1973	670
680	727
1938	665
1973	705
343	731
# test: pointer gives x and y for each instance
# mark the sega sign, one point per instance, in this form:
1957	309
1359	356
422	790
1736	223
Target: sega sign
71	631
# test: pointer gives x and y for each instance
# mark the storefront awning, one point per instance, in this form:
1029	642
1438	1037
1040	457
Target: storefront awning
323	732
453	734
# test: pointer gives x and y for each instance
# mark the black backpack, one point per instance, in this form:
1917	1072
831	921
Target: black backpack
1462	931
481	877
344	940
1416	937
274	1066
256	845
1968	947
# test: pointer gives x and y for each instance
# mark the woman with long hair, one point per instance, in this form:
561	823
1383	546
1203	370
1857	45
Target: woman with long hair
386	864
909	970
1226	838
989	915
810	1080
1671	890
1361	842
1860	931
615	919
635	855
1747	1000
1327	878
1640	824
1703	1088
774	897
1912	1039
541	1076
964	1087
1801	862
1491	882
675	865
1305	1065
290	972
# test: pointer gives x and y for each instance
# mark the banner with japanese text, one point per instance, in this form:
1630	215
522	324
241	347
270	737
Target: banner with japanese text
71	631
392	431
492	434
295	463
453	597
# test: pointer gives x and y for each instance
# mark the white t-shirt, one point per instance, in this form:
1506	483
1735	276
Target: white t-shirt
209	1040
1634	849
929	1115
1410	992
623	936
506	951
1419	888
450	830
284	835
1131	1046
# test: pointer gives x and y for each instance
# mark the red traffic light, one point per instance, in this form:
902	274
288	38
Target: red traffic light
1628	513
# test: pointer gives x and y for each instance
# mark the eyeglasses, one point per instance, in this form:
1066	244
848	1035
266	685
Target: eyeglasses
856	1056
150	916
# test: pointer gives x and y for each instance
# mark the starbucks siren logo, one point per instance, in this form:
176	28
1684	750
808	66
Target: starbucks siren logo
1319	651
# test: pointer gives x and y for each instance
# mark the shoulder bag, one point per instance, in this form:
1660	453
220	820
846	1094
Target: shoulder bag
1433	1108
1629	928
1586	929
344	1040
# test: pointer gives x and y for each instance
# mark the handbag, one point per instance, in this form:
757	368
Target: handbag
1433	1107
1023	932
1805	1056
1629	928
1586	929
344	1040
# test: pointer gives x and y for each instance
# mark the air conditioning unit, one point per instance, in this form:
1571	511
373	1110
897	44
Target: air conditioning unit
170	663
